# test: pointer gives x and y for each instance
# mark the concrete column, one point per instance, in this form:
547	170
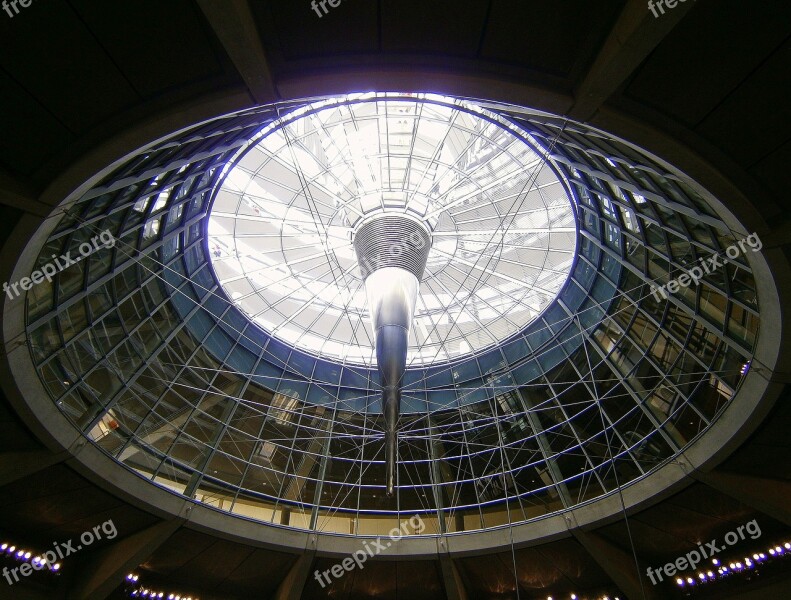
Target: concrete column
451	578
100	574
292	586
618	564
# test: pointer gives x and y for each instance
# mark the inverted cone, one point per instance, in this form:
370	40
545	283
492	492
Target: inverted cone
391	297
391	346
392	253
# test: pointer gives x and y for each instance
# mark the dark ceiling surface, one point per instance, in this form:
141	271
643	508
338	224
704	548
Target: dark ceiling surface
76	73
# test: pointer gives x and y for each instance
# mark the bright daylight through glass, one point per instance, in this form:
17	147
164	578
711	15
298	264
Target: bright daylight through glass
502	225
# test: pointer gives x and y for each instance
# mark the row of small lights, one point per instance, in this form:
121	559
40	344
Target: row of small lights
144	592
575	597
735	567
24	555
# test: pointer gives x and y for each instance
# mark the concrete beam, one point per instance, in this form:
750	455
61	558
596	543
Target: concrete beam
779	236
636	33
233	23
105	570
769	496
17	195
451	578
31	593
292	586
618	565
18	465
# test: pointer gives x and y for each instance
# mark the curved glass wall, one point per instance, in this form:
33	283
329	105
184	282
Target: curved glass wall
140	347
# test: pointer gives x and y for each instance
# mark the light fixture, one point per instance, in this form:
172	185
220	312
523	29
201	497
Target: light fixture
391	250
141	591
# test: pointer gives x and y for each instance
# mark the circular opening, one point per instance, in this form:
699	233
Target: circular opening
502	225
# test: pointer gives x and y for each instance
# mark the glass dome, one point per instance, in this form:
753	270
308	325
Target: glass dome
554	403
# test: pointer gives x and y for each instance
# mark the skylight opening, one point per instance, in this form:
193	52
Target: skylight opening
503	228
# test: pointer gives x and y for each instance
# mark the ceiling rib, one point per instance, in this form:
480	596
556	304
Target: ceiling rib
770	496
634	36
16	195
102	571
612	560
234	25
18	465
